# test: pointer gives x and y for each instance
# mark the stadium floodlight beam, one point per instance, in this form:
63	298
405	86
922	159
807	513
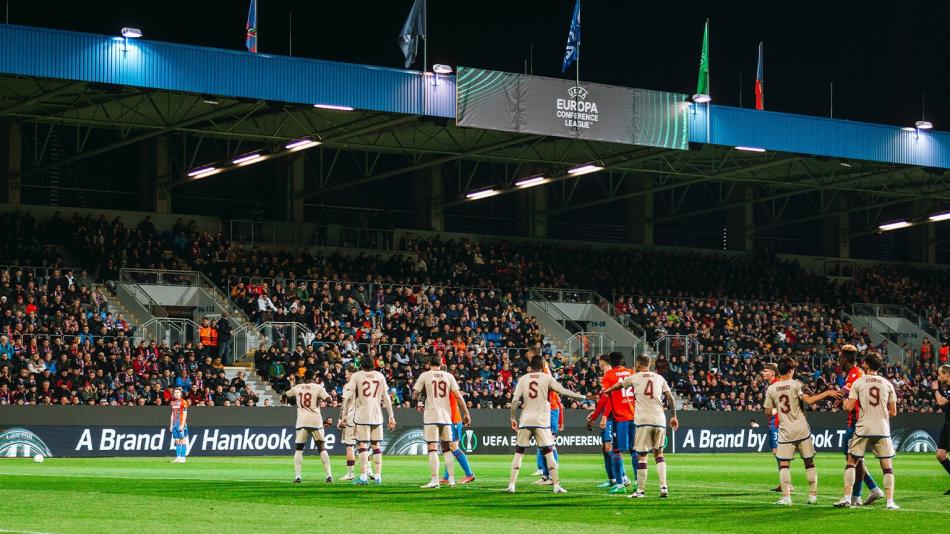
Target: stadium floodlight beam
201	172
909	129
923	125
701	98
484	193
896	225
937	217
301	144
131	33
439	68
333	107
584	169
248	159
531	182
750	149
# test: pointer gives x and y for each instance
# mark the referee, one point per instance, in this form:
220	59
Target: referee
942	394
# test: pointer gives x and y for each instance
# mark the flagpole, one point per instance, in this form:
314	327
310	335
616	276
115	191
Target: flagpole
257	24
425	36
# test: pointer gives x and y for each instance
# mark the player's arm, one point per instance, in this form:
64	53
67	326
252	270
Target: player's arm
515	401
941	400
388	404
347	401
171	420
184	414
560	419
626	382
810	398
670	406
892	402
851	401
463	408
769	405
417	390
558	388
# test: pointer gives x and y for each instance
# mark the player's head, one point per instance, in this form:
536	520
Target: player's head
309	375
176	393
873	361
769	371
848	356
435	361
367	363
643	362
536	363
616	359
787	365
944	374
604	360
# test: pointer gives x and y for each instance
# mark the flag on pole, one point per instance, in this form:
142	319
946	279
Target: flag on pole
760	81
412	30
573	51
702	86
250	39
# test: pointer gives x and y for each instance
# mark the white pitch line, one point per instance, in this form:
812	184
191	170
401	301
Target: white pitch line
24	531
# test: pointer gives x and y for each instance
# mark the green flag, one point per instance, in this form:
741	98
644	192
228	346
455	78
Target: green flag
702	86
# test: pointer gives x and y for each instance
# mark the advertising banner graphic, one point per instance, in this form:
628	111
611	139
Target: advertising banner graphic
563	108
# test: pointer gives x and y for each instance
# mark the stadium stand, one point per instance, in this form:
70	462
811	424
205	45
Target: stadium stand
462	298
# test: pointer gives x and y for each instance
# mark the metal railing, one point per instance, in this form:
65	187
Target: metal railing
139	302
286	335
307	234
167	331
589	344
221	300
891	310
676	346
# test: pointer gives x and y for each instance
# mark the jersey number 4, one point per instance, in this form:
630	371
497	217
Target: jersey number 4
370	385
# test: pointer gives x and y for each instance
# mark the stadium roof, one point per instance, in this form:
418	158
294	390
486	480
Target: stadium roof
402	123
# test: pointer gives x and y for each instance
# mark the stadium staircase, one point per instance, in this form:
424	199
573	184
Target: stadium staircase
898	324
260	387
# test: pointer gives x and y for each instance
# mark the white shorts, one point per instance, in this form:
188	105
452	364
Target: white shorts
303	434
368	433
542	437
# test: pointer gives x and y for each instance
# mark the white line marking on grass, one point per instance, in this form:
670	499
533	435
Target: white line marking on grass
24	531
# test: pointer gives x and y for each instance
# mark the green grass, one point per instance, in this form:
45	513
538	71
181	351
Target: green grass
709	493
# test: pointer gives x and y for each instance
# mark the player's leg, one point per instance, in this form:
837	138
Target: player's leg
301	436
445	436
378	462
884	450
457	431
621	443
785	453
522	442
632	439
545	440
362	451
849	474
876	492
606	437
773	443
659	440
320	442
350	462
943	445
433	452
806	449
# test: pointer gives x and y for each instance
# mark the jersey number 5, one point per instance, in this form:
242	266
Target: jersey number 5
533	390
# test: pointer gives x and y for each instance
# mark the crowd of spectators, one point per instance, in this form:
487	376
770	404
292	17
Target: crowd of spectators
462	298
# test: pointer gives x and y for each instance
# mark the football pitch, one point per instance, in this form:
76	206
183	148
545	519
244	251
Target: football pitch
708	493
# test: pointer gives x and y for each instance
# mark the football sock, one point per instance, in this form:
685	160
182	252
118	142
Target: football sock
434	464
539	460
552	467
785	476
859	473
634	459
642	476
608	466
616	459
515	468
325	458
869	480
378	462
812	475
889	484
946	464
349	467
463	461
661	470
848	481
449	465
364	463
298	462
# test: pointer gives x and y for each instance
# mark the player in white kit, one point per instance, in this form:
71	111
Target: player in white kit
441	390
531	394
649	391
368	393
310	422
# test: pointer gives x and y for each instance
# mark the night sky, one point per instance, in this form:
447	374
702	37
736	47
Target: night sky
882	59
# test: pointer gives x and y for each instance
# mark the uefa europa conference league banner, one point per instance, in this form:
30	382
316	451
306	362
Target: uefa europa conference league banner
512	102
86	431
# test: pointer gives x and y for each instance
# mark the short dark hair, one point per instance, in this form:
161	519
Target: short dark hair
604	358
874	361
644	361
537	363
367	363
436	360
786	364
616	359
309	375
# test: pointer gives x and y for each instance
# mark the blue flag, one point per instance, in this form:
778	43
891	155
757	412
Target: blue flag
412	30
250	38
573	51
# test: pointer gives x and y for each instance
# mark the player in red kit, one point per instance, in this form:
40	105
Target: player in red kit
622	407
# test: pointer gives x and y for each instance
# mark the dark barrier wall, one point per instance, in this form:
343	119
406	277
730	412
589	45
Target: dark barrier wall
114	431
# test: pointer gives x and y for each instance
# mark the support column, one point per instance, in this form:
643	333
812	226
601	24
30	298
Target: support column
12	161
836	230
638	211
922	239
162	202
295	170
739	220
429	199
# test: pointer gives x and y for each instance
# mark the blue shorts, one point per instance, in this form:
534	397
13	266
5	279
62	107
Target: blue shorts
607	434
773	437
180	432
555	417
458	429
625	431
